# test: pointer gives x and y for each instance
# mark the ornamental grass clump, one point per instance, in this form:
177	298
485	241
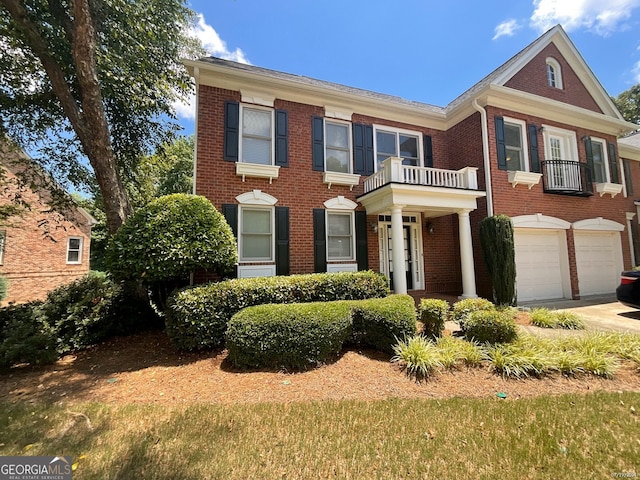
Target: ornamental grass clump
454	351
418	355
545	318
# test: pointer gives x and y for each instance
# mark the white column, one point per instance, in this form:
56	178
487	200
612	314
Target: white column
397	251
630	234
466	256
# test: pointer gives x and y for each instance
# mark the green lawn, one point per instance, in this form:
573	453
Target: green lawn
590	436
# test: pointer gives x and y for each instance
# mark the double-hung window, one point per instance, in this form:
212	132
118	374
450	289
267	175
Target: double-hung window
74	250
256	145
340	236
337	147
554	73
3	241
516	145
600	161
256	234
398	143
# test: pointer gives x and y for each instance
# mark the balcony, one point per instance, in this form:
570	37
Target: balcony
393	171
566	177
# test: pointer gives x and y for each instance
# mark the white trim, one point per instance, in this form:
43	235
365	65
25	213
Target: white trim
252	271
523	140
517	177
396	131
630	216
272	152
557	71
256	197
271	211
257	170
79	250
598	223
569	138
352	221
338	112
340	203
342	267
349	148
539	220
335	178
256	98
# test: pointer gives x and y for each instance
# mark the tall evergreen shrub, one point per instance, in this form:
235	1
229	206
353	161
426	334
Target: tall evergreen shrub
496	238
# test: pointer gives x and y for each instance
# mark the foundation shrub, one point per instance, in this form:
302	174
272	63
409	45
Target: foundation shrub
490	326
25	336
463	308
433	312
197	317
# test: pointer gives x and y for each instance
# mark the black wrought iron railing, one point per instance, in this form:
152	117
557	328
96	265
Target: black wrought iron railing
567	177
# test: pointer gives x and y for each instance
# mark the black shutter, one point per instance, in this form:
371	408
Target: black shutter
231	130
319	241
362	250
534	156
500	143
282	240
230	213
589	152
317	134
363	157
428	151
282	138
613	164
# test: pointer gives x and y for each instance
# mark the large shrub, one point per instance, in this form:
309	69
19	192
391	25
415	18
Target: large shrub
25	336
293	336
433	313
92	309
163	242
197	317
496	239
490	327
379	323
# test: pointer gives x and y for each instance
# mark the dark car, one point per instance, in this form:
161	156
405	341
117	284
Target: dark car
628	292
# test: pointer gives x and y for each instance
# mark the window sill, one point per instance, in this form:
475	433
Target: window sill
519	177
342	267
252	271
611	188
257	171
336	178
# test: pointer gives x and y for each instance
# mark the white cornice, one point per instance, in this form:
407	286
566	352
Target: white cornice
629	152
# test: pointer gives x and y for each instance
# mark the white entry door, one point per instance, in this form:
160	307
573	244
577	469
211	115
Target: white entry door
412	244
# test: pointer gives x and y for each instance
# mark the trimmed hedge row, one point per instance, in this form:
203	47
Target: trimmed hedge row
303	334
197	317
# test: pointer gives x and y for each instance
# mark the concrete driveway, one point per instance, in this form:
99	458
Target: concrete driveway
603	313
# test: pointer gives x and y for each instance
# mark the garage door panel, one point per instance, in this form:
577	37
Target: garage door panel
597	261
538	264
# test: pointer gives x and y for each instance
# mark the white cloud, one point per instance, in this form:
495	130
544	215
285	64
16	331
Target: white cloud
214	46
506	29
212	42
599	16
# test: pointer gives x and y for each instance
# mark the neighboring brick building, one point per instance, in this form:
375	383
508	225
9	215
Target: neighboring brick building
40	249
316	176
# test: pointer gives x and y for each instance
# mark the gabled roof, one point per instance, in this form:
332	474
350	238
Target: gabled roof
629	147
556	35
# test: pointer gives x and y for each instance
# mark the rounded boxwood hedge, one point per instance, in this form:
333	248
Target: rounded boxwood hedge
292	336
197	317
433	313
485	326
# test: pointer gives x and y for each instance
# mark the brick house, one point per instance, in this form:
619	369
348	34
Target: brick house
314	176
41	248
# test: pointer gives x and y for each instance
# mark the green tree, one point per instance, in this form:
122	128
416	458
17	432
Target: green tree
169	170
93	81
496	239
628	102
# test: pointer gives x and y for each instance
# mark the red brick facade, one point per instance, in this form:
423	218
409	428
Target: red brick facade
454	147
34	259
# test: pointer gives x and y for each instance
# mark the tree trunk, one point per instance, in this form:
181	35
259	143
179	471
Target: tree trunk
86	113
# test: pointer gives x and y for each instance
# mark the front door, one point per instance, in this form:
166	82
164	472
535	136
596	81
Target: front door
412	245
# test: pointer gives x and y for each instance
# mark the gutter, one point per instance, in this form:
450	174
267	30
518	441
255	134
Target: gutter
485	154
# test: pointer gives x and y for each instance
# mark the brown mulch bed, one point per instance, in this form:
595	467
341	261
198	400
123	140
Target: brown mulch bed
145	368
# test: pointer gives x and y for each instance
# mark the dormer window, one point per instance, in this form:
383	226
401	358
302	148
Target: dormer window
554	73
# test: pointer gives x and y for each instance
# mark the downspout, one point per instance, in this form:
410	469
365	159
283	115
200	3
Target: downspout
485	154
196	76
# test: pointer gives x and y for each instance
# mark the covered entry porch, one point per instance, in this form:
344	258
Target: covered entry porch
404	196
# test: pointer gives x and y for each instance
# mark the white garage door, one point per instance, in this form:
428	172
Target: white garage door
598	260
539	257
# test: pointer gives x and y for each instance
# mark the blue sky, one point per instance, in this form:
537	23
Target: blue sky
425	50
